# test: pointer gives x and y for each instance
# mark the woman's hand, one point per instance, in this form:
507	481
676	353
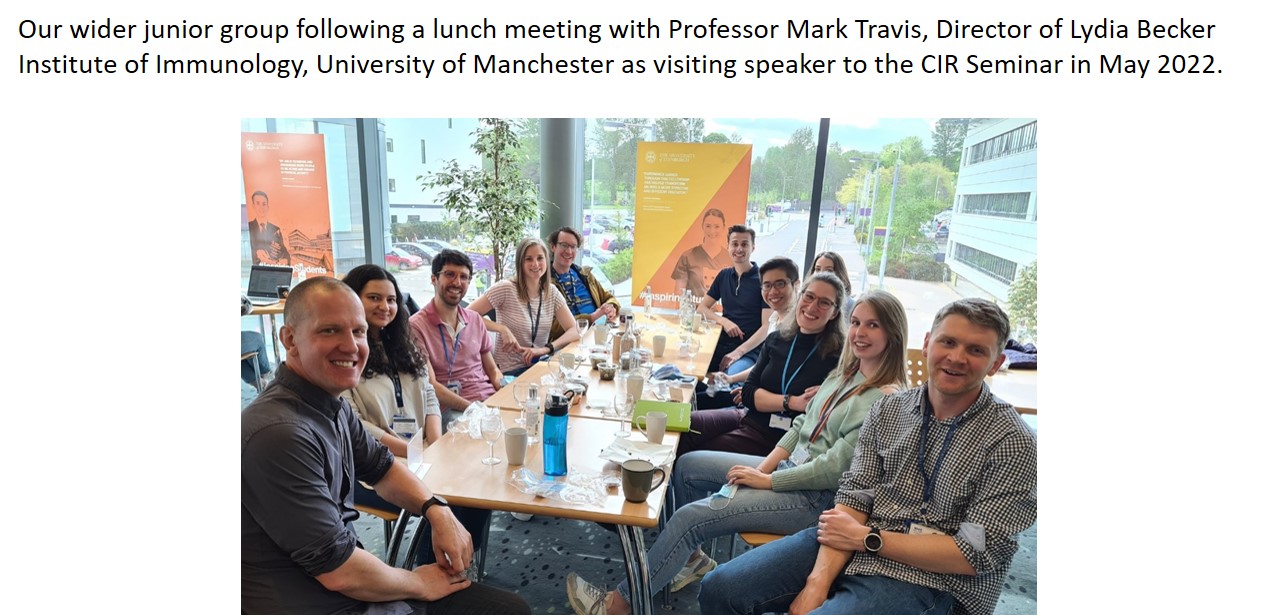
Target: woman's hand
799	403
507	340
531	355
749	477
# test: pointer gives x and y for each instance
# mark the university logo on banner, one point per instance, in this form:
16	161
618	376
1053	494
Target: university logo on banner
688	194
286	191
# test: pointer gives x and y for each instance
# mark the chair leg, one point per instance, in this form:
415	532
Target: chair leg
400	528
389	530
409	560
482	554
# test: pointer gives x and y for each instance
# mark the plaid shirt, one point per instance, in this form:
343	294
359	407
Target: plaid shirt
984	493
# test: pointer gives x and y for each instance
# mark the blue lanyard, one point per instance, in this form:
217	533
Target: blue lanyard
784	380
927	479
451	360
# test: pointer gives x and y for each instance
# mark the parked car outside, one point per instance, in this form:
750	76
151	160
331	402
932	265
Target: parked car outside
424	252
398	258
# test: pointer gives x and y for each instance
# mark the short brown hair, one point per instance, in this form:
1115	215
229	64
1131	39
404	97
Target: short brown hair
739	228
553	237
981	312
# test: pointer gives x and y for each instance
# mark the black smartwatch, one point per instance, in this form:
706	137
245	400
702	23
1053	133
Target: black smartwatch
872	542
551	349
434	500
786	398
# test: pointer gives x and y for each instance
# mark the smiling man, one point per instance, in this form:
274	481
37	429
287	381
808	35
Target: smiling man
585	296
738	289
454	337
927	517
302	447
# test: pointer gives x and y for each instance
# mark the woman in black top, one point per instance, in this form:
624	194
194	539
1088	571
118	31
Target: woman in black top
794	361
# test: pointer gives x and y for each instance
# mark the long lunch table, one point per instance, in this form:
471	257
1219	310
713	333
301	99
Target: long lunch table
666	325
457	473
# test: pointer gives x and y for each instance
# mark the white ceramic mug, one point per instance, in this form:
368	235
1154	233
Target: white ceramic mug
656	423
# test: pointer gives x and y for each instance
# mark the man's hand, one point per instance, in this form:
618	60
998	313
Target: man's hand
839	530
609	310
730	327
749	477
438	582
453	547
737	395
808	600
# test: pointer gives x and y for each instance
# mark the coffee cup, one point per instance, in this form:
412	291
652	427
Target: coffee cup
635	479
600	335
655	424
634	383
516	445
657	345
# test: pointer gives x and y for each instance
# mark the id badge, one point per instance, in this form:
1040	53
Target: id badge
778	421
800	456
454	387
404	426
920	529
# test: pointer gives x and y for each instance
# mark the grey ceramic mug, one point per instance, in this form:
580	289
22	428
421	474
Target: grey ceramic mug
635	479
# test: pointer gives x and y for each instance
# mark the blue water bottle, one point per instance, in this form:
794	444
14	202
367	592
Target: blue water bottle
555	435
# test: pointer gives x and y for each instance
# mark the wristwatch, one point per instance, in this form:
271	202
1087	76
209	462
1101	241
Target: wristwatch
551	349
787	397
434	500
872	542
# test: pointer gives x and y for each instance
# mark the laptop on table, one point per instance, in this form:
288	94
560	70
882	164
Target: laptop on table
264	282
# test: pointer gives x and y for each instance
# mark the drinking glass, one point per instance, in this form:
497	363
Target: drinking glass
624	410
692	347
491	427
521	391
582	323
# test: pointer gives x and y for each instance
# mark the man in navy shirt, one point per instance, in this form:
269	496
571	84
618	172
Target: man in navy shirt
738	289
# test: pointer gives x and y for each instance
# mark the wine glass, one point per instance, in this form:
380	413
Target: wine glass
624	410
521	391
692	348
491	427
582	323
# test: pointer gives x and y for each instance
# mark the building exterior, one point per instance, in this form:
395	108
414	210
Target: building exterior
993	230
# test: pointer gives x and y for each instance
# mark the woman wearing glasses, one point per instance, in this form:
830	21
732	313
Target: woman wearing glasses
834	264
793	362
785	491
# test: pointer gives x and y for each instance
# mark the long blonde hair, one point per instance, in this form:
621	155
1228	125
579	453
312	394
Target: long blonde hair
894	321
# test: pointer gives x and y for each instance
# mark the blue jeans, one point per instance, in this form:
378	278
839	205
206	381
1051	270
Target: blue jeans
751	510
251	341
768	578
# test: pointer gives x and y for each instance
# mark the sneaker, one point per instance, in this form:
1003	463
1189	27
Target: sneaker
585	598
521	516
692	572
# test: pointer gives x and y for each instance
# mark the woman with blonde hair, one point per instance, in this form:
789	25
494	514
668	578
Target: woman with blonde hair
784	492
526	307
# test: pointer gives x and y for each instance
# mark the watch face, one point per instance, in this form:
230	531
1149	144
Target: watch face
872	542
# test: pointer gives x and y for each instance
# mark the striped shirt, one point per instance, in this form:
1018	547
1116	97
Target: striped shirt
522	318
984	492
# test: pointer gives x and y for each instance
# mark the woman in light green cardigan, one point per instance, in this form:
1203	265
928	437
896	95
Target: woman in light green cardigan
784	492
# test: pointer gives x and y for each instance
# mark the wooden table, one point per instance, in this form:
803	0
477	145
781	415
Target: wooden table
458	474
666	325
271	310
1016	387
597	401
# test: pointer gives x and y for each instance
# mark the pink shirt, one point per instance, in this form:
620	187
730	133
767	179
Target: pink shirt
455	360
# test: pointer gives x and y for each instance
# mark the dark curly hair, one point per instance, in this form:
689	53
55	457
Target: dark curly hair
393	351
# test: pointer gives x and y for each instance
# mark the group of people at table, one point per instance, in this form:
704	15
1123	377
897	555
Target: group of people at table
893	500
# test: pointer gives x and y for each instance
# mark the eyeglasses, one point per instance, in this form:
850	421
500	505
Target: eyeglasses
824	304
568	246
777	285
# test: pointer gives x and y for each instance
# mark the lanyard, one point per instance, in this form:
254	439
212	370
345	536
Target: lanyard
451	359
826	412
398	388
927	479
535	326
786	382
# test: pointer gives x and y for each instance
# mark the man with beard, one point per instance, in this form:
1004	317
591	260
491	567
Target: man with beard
454	337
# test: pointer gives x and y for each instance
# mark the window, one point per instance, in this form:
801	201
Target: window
995	266
1007	205
393	219
392	186
389	145
1019	139
413	218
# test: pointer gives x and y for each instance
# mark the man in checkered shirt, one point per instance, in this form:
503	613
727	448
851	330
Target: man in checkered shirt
942	481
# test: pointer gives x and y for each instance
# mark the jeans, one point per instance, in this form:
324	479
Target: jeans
768	578
251	341
751	510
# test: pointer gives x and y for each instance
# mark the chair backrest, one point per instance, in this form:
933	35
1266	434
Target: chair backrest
917	373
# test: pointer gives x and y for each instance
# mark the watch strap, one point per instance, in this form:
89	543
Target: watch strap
787	397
